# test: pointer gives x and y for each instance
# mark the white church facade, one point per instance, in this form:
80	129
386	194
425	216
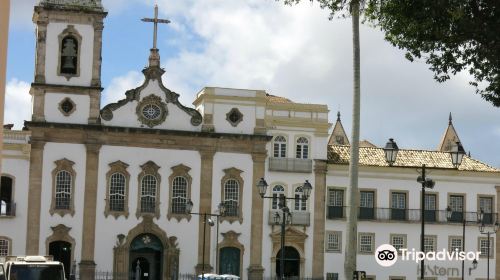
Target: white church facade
105	187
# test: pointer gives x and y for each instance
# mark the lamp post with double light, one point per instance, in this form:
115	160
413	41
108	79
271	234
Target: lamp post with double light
391	151
221	209
306	192
488	230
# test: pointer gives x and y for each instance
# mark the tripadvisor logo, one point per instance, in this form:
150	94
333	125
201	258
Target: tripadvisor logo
386	255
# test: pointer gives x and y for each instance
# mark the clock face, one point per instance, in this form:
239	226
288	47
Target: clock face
151	111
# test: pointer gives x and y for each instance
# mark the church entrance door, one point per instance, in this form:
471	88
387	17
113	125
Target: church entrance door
146	253
292	262
61	251
229	261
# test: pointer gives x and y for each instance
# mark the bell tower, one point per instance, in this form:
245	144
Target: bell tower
67	86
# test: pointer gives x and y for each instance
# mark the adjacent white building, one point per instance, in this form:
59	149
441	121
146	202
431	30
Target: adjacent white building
104	187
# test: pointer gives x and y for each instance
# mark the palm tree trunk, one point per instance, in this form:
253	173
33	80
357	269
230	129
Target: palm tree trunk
352	221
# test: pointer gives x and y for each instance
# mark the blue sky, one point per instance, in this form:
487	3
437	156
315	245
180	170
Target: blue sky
293	52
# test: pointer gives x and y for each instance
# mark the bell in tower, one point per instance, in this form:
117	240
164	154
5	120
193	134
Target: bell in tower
69	55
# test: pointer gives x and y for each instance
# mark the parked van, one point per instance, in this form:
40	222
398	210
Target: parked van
33	268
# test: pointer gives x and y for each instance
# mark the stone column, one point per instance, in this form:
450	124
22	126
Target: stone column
207	166
38	96
255	270
318	259
41	20
87	264
34	197
497	239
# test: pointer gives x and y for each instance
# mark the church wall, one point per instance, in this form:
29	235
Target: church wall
54	114
51	153
108	228
246	126
54	29
242	162
15	228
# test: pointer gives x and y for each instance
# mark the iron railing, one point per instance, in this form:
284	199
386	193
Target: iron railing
290	165
410	215
7	209
298	218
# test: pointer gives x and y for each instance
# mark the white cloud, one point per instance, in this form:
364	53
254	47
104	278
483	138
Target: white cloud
17	103
119	85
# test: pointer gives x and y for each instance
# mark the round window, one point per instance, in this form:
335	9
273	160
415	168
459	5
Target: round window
151	112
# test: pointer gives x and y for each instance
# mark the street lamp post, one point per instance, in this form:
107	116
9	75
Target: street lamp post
391	151
306	190
457	153
488	231
221	209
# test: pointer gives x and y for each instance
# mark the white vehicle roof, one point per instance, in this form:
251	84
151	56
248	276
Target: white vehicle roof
31	259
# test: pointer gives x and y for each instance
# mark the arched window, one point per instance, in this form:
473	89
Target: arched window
302	148
117	192
69	55
63	190
4	246
231	197
148	194
279	146
300	202
179	195
278	193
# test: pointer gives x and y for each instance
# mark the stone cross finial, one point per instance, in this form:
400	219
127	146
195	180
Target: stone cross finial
155	20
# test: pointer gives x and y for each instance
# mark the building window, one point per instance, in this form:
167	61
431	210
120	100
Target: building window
335	203
232	189
279	147
334	241
63	188
367	205
483	247
398	206
430	204
398	241
149	191
332	276
366	243
456	203
67	106
300	201
430	243
4	246
455	243
486	204
117	190
302	150
278	194
7	206
180	192
234	117
69	53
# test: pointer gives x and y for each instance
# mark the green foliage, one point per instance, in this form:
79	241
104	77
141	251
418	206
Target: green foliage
450	35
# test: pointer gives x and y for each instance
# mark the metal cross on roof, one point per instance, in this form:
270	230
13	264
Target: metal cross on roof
155	20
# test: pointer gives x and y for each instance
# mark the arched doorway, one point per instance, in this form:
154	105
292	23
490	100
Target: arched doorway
292	262
61	251
229	261
146	256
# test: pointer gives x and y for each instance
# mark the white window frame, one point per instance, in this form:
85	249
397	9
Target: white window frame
366	239
302	147
333	241
279	146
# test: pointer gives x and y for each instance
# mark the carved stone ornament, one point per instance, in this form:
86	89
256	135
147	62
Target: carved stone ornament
67	106
151	111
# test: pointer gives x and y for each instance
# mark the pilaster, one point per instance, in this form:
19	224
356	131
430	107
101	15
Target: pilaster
41	20
206	173
255	270
38	96
87	264
320	168
34	197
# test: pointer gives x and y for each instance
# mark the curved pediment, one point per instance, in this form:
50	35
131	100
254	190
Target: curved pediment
151	105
